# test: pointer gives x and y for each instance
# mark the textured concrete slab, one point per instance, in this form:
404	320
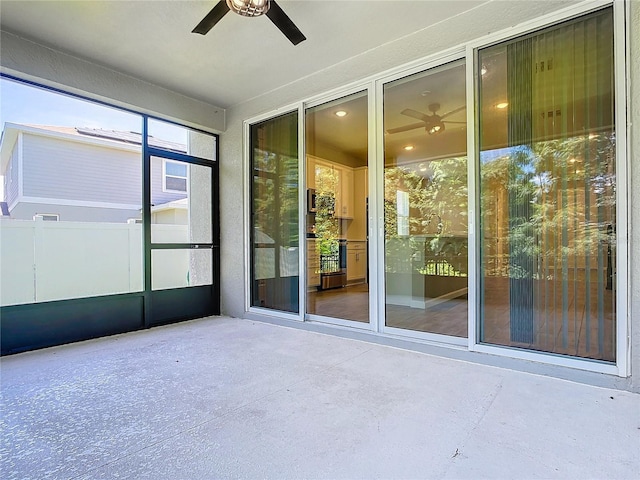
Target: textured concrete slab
230	398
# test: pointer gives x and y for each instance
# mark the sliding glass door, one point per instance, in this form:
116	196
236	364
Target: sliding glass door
425	202
548	189
337	245
274	237
542	194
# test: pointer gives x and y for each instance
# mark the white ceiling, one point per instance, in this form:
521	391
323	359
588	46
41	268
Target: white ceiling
240	59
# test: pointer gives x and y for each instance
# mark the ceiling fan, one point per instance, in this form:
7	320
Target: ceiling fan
432	124
251	8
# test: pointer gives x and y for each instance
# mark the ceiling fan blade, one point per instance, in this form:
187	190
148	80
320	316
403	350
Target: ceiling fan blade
284	23
449	121
453	111
409	112
406	128
213	17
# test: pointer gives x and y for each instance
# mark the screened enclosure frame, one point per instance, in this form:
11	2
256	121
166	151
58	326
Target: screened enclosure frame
468	52
30	326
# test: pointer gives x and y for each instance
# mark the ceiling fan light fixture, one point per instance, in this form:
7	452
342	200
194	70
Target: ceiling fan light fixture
436	128
248	8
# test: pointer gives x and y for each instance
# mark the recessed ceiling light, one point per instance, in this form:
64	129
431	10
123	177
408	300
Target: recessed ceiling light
502	105
425	93
408	147
341	113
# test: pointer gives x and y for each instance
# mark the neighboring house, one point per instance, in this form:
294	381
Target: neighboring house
41	168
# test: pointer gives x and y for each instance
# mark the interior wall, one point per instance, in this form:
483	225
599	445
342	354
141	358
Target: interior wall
489	18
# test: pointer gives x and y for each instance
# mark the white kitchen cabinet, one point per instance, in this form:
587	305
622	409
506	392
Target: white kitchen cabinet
327	176
345	182
356	261
313	264
311	172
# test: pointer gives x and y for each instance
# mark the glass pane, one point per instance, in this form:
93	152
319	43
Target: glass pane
181	210
181	268
177	138
547	165
176	169
274	214
336	220
425	202
71	197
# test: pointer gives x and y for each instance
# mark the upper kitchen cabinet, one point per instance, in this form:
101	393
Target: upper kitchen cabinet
344	201
334	180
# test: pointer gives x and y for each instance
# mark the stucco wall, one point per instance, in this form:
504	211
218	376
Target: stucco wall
489	18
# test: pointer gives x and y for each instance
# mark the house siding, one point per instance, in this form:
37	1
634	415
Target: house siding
62	169
158	197
72	213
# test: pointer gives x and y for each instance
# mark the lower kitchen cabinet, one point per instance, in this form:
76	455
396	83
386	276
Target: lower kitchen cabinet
356	261
313	265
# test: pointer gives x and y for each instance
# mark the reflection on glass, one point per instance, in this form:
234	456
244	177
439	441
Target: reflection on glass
274	214
181	268
547	167
336	219
180	202
425	202
82	237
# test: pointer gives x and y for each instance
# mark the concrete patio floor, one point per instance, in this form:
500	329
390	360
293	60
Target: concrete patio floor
230	398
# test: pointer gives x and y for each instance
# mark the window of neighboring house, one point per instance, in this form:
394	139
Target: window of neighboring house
175	177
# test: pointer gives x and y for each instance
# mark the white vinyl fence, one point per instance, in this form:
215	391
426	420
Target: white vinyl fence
42	261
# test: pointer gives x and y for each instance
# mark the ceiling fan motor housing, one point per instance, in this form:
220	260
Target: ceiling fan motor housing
248	8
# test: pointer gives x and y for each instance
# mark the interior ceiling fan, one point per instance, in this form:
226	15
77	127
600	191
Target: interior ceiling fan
432	124
251	8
